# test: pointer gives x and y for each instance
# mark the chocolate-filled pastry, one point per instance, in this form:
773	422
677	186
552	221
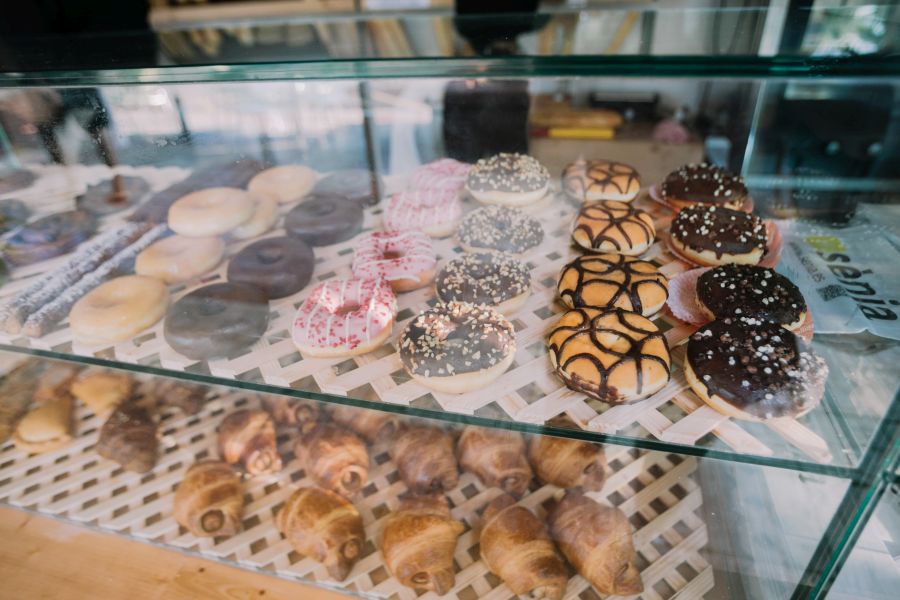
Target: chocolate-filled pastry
613	281
373	425
112	195
325	527
567	463
209	500
292	412
360	185
597	540
714	235
612	355
102	390
612	226
425	459
751	291
49	236
129	438
278	266
496	456
499	229
335	458
509	179
247	438
485	278
47	427
187	397
12	214
516	547
324	219
593	180
704	184
753	370
418	542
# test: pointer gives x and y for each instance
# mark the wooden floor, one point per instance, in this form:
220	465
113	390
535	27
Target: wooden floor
43	558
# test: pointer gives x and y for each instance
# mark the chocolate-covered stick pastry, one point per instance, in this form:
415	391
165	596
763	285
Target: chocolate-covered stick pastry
292	412
187	397
597	541
418	542
496	456
247	437
335	458
516	547
425	459
325	527
373	425
210	500
567	463
129	438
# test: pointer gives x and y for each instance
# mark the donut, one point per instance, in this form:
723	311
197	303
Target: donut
753	370
613	226
508	179
101	199
345	317
703	184
16	180
442	174
12	214
178	258
217	320
265	215
359	185
213	211
277	266
49	236
118	309
485	278
457	347
283	184
613	355
749	291
613	281
714	235
593	180
499	229
405	259
437	213
322	220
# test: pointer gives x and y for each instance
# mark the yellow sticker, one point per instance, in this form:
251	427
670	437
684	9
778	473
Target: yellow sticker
825	243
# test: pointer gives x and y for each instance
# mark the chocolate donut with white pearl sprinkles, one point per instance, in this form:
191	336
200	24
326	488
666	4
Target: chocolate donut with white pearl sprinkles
457	347
510	179
753	370
750	291
704	184
499	229
484	278
714	235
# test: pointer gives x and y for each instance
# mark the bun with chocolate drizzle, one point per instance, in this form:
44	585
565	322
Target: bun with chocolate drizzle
613	281
714	235
612	226
704	184
593	180
750	291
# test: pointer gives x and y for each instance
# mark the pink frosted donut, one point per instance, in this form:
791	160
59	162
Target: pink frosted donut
345	317
442	174
437	213
406	259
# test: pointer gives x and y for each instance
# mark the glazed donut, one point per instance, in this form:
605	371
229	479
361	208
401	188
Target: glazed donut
405	259
485	278
508	179
437	213
593	180
277	266
283	184
499	229
612	226
360	185
703	184
711	235
749	291
213	211
613	281
457	347
345	317
49	236
322	220
217	320
265	215
119	309
442	174
752	370
612	354
178	258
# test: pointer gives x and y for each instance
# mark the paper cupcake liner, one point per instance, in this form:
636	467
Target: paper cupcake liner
656	195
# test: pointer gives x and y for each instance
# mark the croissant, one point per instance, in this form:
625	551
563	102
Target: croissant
292	412
425	459
497	457
210	499
187	397
129	437
335	458
325	527
373	425
516	547
418	542
47	427
102	390
55	382
567	463
248	437
597	541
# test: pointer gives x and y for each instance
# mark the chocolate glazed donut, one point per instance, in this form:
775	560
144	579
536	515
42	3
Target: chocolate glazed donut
360	185
49	236
221	319
278	266
324	219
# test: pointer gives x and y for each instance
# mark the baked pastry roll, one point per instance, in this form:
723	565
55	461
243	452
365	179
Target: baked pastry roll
102	390
567	463
612	226
425	459
47	427
335	458
189	398
55	382
496	456
613	281
210	500
373	425
291	412
247	437
129	438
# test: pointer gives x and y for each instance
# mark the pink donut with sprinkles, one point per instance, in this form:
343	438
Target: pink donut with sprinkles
437	213
406	259
345	317
442	174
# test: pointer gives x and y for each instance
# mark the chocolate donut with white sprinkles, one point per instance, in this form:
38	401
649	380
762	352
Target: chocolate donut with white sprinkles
714	235
499	229
485	278
750	291
704	184
508	179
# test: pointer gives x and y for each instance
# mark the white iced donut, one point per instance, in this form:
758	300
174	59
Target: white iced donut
119	309
284	184
178	258
213	211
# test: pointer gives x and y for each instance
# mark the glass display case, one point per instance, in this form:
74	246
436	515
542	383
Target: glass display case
403	302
